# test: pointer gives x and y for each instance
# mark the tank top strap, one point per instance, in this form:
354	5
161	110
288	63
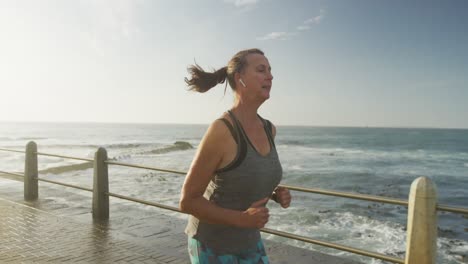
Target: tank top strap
269	130
238	125
237	133
234	132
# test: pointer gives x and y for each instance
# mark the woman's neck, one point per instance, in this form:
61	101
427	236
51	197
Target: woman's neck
246	113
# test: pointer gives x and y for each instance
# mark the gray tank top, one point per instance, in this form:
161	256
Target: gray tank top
248	178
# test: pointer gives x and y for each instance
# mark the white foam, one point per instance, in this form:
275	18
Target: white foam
451	250
385	237
343	228
373	154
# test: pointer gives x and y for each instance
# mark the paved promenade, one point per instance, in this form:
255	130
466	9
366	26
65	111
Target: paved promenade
58	228
31	235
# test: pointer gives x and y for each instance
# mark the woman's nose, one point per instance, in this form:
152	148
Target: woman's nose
270	76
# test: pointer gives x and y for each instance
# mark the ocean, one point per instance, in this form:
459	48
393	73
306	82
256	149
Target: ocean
376	161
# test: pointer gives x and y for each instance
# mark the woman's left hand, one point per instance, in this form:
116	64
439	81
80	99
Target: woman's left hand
283	197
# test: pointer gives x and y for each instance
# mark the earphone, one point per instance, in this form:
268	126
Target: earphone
242	82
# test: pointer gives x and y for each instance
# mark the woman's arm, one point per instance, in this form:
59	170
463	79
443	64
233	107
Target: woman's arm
280	195
208	158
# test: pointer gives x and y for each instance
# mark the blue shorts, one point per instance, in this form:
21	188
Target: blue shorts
201	254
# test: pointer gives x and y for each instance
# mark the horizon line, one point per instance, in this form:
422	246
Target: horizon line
206	124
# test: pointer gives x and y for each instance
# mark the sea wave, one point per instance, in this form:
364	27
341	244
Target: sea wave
291	142
343	228
358	231
31	138
177	146
152	150
21	138
155	148
373	154
95	146
67	168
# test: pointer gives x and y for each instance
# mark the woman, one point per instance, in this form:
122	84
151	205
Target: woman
236	169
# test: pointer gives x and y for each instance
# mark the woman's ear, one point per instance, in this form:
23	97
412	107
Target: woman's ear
238	79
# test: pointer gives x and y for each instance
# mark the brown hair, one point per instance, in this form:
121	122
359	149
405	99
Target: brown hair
202	81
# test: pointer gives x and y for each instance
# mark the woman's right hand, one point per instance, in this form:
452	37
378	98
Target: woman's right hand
256	216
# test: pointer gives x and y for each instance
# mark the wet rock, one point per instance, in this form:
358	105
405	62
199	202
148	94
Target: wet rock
178	145
446	232
463	258
183	145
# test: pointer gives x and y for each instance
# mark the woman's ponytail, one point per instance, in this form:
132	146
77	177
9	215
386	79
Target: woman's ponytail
202	81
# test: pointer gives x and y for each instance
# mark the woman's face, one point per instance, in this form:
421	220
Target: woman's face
257	77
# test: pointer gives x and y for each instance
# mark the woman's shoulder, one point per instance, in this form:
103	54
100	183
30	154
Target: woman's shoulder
220	128
226	117
224	124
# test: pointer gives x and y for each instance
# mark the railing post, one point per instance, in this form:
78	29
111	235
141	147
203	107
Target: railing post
421	242
100	186
30	172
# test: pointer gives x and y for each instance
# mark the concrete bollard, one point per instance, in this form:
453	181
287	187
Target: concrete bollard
31	187
421	243
100	186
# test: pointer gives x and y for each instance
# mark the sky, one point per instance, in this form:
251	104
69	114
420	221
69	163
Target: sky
335	63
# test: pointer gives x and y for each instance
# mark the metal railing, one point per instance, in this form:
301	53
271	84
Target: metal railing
101	203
